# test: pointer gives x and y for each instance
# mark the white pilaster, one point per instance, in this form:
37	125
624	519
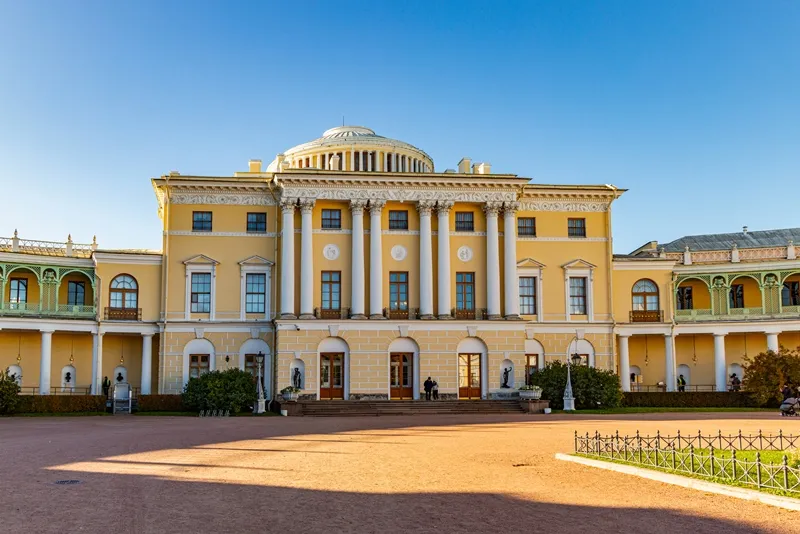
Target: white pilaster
147	360
443	211
375	260
44	363
94	386
669	351
772	341
720	369
624	364
492	261
425	260
357	260
307	261
287	259
510	260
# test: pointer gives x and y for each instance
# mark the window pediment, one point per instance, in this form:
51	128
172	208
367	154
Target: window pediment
530	263
256	261
201	259
578	264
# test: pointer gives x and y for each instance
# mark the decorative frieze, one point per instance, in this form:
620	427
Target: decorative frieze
400	195
240	199
566	204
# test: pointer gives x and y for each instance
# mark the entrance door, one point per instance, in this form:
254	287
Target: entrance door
469	376
401	375
331	375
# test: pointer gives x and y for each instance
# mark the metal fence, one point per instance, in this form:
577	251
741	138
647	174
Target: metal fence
716	458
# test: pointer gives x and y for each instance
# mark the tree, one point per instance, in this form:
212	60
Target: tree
591	387
767	372
9	392
232	389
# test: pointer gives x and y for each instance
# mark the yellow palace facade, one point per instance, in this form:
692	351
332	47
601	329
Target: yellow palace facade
357	270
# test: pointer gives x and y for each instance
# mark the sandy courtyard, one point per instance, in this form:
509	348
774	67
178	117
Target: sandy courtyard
389	474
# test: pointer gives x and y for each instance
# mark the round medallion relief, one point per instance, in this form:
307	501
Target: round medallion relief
399	252
330	252
464	253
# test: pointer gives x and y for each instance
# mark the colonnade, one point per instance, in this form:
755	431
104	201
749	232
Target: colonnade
425	208
363	160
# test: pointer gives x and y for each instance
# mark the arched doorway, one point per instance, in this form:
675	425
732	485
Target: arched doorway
198	358
334	359
403	369
247	362
472	366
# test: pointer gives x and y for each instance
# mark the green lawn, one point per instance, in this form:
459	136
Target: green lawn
70	414
663	410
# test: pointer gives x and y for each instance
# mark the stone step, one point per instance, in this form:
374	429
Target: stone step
340	408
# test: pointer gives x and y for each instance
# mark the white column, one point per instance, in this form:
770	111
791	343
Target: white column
424	208
44	363
369	161
362	161
443	211
492	261
375	260
624	364
307	261
287	259
385	161
669	351
147	359
510	260
394	162
94	385
357	260
772	341
720	369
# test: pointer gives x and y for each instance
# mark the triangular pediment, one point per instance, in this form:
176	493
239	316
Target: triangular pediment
256	260
201	259
578	264
530	263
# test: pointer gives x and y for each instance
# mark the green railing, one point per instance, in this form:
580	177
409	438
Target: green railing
28	309
735	314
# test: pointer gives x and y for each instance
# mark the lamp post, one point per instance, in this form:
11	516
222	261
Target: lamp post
260	402
569	400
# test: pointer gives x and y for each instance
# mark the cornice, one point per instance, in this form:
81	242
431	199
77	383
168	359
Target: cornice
102	258
20	257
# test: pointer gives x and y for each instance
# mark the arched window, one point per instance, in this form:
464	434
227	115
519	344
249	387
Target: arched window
124	294
645	302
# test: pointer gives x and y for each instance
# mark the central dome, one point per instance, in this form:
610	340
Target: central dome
359	149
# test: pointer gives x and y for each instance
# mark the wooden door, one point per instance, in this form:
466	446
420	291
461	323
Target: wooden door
469	376
331	375
401	375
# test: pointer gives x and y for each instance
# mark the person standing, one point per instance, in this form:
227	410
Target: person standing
106	386
428	385
681	383
435	390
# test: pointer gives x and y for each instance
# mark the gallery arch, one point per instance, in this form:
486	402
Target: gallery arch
198	358
404	369
334	362
472	369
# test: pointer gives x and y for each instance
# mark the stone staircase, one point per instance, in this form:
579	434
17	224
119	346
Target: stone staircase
407	407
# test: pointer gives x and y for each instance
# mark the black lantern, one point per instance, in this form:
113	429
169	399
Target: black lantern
576	359
260	359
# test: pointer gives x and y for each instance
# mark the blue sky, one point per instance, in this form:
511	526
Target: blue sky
692	106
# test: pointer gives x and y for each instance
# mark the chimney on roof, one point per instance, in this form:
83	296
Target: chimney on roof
482	168
465	166
255	165
744	229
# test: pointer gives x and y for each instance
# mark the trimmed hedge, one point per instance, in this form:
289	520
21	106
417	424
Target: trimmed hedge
689	399
60	403
161	403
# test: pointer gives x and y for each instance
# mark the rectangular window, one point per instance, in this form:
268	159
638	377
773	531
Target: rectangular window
256	223
332	219
398	291
201	293
18	292
790	294
684	299
250	364
465	221
255	293
577	296
737	296
331	290
531	367
527	295
576	227
526	226
76	293
201	221
465	291
398	220
198	365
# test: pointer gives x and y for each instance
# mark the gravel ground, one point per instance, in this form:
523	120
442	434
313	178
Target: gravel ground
389	474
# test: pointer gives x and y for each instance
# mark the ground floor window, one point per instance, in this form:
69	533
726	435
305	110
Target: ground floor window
531	367
199	364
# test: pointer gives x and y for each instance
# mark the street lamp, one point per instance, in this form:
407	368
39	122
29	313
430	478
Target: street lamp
260	408
575	359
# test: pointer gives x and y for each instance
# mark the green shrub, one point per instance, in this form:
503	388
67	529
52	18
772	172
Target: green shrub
766	372
232	389
9	392
161	403
60	403
592	388
689	399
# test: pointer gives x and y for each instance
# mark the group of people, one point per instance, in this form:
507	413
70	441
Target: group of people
788	391
431	389
735	383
